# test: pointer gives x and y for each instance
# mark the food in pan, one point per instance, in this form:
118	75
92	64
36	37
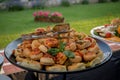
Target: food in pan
110	32
58	49
56	67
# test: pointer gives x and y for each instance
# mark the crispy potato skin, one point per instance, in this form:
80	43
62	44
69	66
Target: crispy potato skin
46	61
60	58
77	66
56	68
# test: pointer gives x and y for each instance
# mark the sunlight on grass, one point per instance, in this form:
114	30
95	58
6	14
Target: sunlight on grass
81	17
81	26
6	39
87	25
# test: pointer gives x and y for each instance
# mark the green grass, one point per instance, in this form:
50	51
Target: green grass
81	17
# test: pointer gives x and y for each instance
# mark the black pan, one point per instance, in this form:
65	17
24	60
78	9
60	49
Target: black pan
13	45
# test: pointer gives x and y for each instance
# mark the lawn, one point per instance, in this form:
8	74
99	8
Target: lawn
81	17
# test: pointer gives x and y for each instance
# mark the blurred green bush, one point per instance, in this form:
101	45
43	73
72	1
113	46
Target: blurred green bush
15	8
85	2
114	0
65	3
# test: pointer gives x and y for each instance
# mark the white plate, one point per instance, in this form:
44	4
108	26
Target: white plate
99	37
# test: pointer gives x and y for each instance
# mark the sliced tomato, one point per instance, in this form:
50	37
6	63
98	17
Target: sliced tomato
108	35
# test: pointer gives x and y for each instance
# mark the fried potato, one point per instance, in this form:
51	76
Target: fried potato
19	59
46	61
92	63
43	48
76	66
29	63
94	49
55	50
18	52
61	58
35	44
56	68
89	56
36	56
26	52
77	59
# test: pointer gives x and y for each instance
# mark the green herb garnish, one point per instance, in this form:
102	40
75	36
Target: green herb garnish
69	54
62	46
116	33
96	33
53	51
